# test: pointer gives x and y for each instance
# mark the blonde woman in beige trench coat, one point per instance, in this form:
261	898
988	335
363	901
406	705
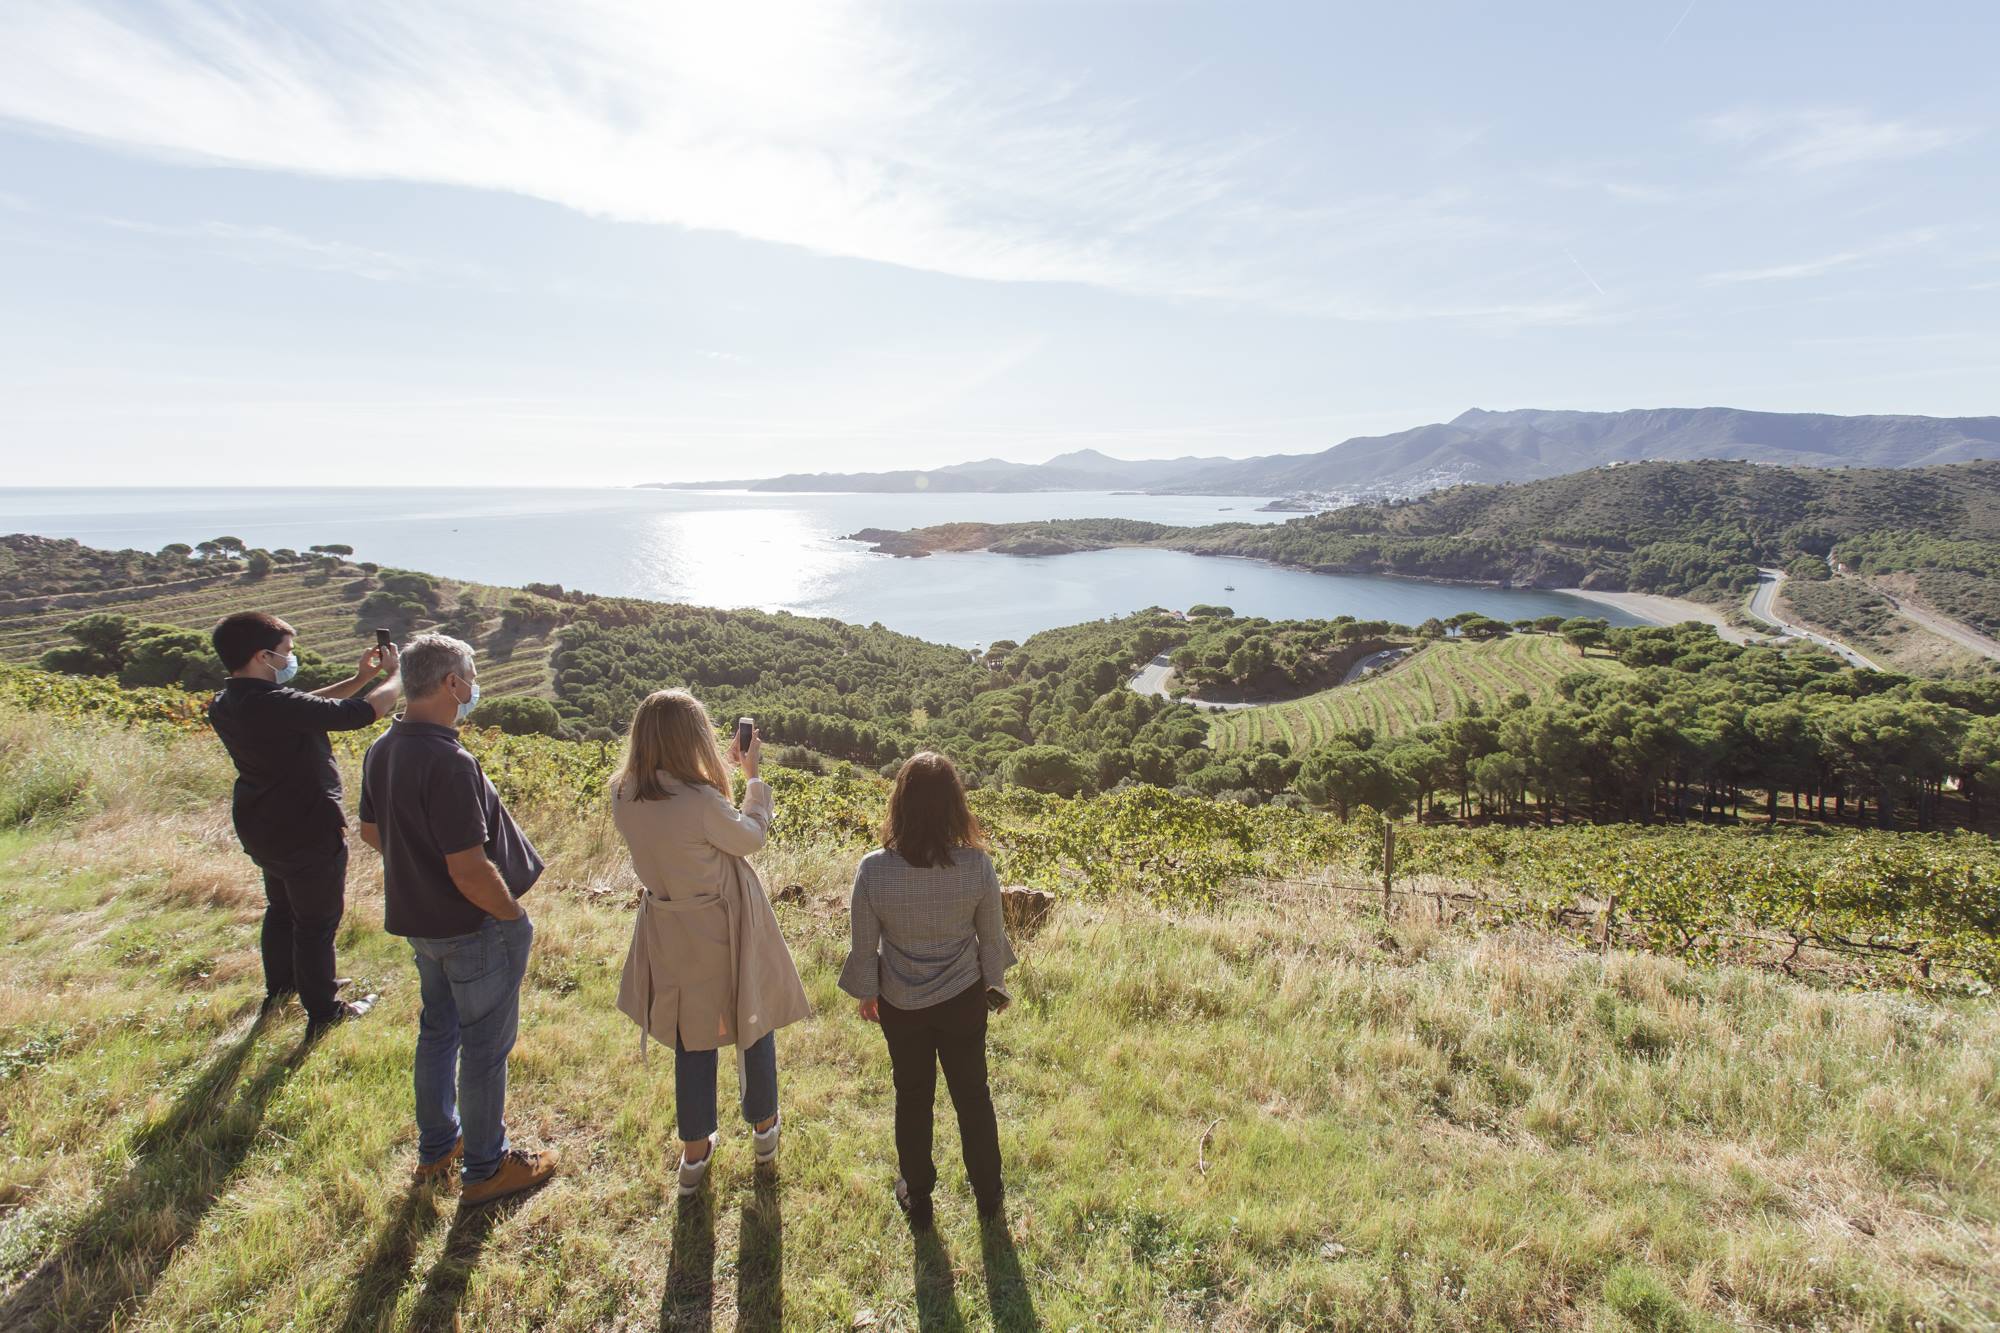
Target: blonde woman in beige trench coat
708	966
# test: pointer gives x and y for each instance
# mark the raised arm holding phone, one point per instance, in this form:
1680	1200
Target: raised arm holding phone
287	803
708	966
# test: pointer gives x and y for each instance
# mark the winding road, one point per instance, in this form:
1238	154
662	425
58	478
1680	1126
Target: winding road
1763	606
1152	679
1374	662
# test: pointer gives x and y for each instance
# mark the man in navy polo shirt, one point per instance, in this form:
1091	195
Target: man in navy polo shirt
454	863
287	801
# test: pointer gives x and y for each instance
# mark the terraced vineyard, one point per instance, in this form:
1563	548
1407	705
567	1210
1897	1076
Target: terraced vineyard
323	612
1433	684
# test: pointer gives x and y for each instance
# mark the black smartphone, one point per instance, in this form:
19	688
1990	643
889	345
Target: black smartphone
746	730
995	1000
383	638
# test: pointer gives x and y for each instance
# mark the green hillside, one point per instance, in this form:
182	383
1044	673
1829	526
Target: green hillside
1434	684
1693	727
1260	1105
323	608
1698	529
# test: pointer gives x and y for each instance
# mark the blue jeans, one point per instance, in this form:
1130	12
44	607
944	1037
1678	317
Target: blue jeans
694	1086
472	1009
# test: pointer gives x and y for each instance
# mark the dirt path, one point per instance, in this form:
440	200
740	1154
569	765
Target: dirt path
1957	632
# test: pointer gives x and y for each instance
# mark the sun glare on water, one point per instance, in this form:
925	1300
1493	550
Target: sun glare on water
769	558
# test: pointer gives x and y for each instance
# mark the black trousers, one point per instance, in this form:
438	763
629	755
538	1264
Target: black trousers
305	897
951	1034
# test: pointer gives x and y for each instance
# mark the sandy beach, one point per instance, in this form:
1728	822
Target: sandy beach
1661	610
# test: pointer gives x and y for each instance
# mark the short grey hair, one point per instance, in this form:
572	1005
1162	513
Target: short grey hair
428	658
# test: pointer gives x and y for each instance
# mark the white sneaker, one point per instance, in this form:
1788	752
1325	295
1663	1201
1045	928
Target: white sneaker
693	1173
765	1141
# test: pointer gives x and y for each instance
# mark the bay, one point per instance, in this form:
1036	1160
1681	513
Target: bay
777	552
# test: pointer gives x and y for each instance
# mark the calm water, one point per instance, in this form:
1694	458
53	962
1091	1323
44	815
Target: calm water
777	552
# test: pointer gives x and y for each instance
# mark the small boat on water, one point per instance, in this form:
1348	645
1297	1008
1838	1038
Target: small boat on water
1229	587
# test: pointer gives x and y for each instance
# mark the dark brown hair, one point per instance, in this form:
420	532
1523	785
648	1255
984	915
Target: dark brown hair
928	816
240	637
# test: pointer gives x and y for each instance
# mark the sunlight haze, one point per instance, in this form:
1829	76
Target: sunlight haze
608	243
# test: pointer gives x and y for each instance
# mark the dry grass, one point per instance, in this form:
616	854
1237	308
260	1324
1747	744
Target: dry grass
1414	1125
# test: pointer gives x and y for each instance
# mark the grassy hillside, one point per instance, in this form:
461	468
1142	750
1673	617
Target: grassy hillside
1433	684
1262	1113
322	609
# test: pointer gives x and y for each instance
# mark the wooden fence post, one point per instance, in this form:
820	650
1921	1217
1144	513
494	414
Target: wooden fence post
1610	910
1388	863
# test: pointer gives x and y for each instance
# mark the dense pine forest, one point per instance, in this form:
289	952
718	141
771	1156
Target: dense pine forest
1651	724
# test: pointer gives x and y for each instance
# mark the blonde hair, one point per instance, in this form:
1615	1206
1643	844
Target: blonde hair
670	734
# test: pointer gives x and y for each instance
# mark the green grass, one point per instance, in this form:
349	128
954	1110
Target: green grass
322	610
1434	684
1402	1125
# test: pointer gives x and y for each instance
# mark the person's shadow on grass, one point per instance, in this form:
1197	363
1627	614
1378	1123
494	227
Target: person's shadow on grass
760	1259
688	1303
937	1296
1007	1294
373	1292
445	1284
180	1166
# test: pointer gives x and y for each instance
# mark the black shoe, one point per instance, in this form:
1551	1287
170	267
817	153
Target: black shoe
349	1011
918	1211
278	999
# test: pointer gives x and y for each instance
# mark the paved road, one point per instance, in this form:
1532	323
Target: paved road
1763	607
1152	679
1372	662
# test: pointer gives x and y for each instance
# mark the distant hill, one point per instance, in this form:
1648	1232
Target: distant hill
1477	446
1082	470
1527	445
1699	528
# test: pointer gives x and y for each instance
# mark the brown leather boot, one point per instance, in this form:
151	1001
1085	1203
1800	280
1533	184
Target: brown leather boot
429	1171
518	1171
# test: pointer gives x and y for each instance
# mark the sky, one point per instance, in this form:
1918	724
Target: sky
615	241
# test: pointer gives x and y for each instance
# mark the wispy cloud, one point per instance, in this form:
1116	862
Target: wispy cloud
277	246
1821	138
816	123
1900	243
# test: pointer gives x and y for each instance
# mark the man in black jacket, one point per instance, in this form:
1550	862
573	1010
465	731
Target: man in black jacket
287	802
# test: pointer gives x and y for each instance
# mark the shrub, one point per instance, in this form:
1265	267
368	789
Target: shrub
518	715
1047	768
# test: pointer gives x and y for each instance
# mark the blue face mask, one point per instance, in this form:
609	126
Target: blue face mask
289	669
468	705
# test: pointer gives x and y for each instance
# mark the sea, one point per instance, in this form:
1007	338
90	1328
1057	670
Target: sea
776	552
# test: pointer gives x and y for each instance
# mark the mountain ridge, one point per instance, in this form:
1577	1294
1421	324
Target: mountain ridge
1480	445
